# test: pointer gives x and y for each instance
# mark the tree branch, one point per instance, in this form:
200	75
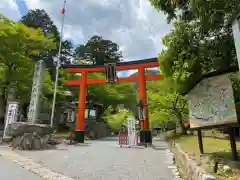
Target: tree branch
183	107
176	100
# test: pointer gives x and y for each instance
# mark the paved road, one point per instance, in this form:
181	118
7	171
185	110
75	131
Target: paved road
104	160
11	171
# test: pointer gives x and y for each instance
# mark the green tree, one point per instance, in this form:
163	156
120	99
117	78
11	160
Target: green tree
98	51
201	40
38	18
18	43
212	15
166	104
117	120
189	54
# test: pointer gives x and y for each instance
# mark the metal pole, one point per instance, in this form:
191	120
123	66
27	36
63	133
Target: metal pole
58	64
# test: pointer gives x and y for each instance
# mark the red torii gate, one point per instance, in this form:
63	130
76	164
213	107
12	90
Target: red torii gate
141	79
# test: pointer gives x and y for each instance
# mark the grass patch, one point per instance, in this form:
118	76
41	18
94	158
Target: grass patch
215	149
211	145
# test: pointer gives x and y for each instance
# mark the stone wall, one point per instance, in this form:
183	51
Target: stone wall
190	167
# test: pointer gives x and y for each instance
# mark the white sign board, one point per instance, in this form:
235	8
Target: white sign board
236	35
132	134
11	115
211	102
90	112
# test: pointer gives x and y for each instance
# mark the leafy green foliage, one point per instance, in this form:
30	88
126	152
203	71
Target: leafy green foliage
98	51
165	104
39	19
201	40
211	14
189	54
115	121
18	44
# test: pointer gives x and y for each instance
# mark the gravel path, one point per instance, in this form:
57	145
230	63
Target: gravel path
97	160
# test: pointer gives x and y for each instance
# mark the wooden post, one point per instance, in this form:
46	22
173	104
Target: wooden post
233	143
200	141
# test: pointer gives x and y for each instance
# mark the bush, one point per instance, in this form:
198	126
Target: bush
115	121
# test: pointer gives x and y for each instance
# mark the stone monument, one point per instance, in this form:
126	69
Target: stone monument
33	112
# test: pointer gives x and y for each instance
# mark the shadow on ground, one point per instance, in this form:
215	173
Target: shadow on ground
82	144
113	138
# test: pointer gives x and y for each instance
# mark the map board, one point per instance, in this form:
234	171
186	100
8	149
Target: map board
211	102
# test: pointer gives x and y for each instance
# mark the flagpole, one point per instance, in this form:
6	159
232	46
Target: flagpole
58	64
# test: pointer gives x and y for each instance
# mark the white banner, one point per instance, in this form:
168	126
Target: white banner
132	138
11	114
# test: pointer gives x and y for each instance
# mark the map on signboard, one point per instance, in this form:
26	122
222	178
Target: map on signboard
211	102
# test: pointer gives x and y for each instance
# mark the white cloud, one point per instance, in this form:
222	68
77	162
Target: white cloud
10	9
133	24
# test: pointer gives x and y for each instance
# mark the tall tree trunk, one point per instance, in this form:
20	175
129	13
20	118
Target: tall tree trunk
180	121
2	113
3	98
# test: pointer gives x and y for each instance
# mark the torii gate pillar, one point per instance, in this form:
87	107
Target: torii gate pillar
142	94
79	133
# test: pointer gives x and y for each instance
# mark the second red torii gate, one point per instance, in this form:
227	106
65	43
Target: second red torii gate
141	78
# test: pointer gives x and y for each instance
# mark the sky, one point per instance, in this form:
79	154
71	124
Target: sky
133	24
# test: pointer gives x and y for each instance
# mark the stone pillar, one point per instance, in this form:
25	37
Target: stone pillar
38	78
